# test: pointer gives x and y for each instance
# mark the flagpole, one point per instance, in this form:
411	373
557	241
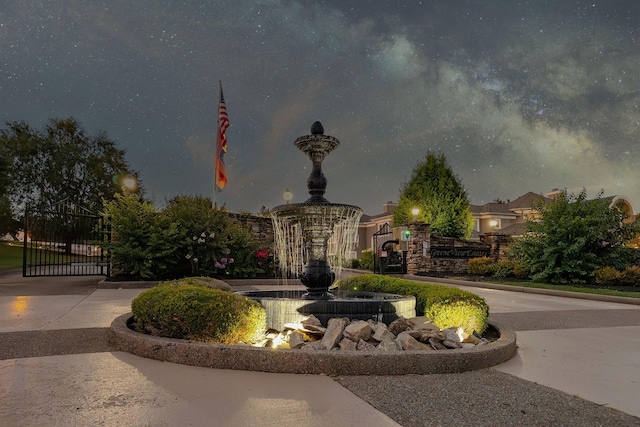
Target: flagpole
215	158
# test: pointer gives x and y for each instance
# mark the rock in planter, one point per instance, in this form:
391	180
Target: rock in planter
407	342
334	333
358	330
347	344
381	332
389	345
400	325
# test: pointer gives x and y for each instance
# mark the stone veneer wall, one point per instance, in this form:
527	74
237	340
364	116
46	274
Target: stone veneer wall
419	261
261	226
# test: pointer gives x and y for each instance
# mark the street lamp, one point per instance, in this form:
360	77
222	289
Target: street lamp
287	196
129	184
415	212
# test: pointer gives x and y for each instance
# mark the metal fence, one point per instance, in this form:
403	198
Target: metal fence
65	240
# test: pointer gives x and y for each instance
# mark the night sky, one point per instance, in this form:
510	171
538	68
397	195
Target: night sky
519	95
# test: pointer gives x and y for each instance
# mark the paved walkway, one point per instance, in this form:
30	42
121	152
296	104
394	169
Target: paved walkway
577	365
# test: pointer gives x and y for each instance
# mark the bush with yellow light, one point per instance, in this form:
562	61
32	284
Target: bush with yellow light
198	312
445	306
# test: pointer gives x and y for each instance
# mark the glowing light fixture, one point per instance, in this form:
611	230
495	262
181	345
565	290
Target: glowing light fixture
415	212
287	196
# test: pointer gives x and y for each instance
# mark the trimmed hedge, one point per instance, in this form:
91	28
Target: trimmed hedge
444	305
199	313
610	276
203	281
502	268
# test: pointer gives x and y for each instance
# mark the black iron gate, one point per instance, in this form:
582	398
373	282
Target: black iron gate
65	240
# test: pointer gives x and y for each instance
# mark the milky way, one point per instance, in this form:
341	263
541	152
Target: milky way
519	96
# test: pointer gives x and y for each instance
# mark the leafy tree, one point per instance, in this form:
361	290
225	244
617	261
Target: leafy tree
61	162
573	237
8	224
440	197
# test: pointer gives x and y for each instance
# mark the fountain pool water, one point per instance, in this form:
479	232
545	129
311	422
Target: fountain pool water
309	237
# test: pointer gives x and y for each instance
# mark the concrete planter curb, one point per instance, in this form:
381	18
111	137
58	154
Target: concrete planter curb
316	362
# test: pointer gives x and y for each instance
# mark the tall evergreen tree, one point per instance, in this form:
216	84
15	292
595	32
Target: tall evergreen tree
442	200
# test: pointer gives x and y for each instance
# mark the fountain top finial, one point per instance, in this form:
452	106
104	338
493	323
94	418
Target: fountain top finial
317	129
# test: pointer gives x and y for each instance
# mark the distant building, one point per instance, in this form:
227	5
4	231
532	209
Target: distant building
506	218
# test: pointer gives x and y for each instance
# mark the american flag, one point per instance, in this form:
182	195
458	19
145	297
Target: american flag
221	142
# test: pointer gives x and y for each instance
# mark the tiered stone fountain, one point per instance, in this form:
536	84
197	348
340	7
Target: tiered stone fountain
304	234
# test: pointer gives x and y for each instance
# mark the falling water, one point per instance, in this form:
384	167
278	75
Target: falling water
297	226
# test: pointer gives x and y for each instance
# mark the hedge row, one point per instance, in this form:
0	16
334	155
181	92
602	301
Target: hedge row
445	306
503	268
609	276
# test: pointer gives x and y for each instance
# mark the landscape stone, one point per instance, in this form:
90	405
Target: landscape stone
381	333
296	340
407	342
365	346
436	344
311	320
334	333
454	334
347	345
427	334
358	330
389	345
399	325
451	344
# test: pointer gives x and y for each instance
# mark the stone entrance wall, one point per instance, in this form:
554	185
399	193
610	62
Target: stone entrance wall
261	226
430	255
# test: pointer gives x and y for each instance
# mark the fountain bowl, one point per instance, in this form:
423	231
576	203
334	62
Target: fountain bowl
289	306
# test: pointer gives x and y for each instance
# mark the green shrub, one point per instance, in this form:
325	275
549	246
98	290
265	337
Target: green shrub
198	313
203	281
188	237
480	266
503	268
606	276
366	260
630	276
142	240
354	263
520	270
458	313
442	304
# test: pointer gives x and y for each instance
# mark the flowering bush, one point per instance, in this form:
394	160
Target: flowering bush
187	238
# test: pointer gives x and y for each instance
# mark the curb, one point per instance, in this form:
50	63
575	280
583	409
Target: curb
539	291
333	363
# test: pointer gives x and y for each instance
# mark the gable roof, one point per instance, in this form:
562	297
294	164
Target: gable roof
527	200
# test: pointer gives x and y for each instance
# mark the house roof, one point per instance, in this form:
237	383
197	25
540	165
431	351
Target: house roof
527	200
490	208
514	229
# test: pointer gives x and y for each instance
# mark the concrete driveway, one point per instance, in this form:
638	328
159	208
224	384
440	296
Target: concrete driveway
577	364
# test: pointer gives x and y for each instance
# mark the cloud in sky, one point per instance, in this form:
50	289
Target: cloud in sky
520	97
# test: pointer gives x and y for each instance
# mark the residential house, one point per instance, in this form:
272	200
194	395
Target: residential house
506	218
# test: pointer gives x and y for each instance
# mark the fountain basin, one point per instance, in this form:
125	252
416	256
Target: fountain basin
289	306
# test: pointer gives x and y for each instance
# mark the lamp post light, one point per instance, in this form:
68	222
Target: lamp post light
287	196
415	212
129	184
